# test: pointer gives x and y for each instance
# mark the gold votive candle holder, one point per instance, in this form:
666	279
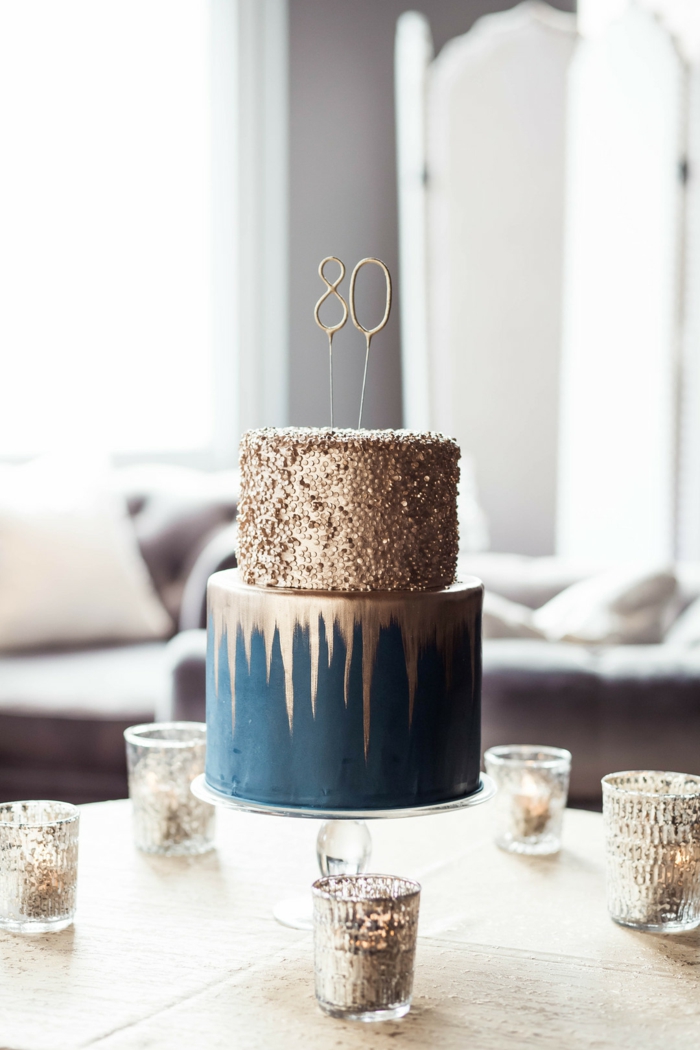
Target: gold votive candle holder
38	865
533	785
365	929
652	840
163	758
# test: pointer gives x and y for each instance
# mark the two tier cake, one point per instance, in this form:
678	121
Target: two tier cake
344	661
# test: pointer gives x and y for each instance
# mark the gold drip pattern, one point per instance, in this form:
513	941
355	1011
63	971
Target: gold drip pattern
430	617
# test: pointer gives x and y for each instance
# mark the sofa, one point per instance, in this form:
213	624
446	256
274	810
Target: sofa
614	706
63	710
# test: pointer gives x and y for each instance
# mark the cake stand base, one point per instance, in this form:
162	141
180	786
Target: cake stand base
344	844
485	791
295	912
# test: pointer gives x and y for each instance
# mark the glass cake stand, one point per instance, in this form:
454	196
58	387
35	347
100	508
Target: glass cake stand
344	844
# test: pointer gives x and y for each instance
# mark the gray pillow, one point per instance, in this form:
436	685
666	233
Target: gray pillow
625	606
505	619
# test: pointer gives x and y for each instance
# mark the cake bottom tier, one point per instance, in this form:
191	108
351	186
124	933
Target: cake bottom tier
343	700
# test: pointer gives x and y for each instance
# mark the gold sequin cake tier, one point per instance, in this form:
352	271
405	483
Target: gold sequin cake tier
348	510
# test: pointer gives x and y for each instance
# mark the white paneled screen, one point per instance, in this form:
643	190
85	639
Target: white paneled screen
617	430
105	217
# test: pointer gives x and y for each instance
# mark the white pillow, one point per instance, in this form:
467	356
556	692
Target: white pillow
70	568
623	606
503	618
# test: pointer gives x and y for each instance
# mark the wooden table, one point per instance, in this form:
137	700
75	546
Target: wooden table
184	954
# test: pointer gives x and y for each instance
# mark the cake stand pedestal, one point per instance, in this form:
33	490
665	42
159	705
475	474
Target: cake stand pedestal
344	844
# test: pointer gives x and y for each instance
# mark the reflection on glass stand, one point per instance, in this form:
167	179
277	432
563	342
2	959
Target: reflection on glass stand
344	844
343	847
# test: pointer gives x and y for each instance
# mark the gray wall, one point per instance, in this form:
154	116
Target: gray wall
343	190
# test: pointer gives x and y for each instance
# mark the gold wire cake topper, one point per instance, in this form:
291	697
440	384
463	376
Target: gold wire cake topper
330	330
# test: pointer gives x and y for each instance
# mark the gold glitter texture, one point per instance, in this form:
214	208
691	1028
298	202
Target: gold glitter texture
437	618
348	510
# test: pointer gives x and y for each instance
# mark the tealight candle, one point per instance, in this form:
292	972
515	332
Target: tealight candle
652	831
38	865
533	783
163	760
531	808
365	929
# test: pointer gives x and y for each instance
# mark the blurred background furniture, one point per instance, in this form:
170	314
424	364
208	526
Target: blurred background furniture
63	711
613	706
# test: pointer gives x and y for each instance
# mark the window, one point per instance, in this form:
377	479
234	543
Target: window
106	314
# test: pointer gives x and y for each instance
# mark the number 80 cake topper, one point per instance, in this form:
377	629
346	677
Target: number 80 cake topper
330	330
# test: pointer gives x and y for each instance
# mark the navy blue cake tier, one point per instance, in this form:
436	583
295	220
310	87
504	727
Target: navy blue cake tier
343	699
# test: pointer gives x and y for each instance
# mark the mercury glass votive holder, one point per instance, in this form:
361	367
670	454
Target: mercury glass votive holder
163	758
652	839
533	785
38	865
365	929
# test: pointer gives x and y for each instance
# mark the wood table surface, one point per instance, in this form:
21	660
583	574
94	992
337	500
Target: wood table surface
184	953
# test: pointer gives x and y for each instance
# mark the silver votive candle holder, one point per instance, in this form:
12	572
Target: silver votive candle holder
533	785
163	758
365	929
38	865
652	845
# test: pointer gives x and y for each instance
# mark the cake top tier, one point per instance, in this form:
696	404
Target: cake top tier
348	510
